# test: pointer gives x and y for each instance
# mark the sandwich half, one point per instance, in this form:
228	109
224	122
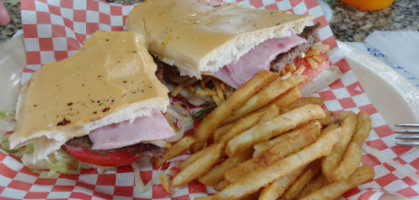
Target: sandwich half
198	40
101	106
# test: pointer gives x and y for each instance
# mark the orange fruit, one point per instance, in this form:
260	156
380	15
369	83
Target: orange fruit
369	5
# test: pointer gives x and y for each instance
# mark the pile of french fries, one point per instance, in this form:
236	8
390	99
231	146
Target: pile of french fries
266	141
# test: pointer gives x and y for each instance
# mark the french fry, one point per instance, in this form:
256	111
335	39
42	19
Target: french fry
288	98
266	95
221	185
302	181
214	119
326	120
334	190
263	146
215	175
199	166
219	132
330	162
263	176
352	157
306	100
192	158
176	91
165	183
312	186
277	188
271	112
281	124
247	122
252	196
177	149
306	135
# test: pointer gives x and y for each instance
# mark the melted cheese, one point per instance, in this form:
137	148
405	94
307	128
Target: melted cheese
111	71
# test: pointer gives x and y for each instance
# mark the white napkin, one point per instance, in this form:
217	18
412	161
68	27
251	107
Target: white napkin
399	49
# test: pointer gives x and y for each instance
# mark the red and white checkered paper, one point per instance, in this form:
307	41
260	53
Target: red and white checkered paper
55	29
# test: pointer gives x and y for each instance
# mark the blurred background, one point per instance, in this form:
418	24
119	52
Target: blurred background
347	22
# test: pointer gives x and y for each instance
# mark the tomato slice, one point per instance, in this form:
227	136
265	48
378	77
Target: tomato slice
112	159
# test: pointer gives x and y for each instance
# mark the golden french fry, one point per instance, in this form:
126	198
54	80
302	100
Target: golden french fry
192	158
313	185
204	198
266	95
306	135
165	183
276	126
263	146
219	132
214	119
247	122
288	98
331	161
199	166
271	112
265	175
352	157
252	196
277	188
306	100
328	119
177	149
220	185
302	181
334	190
215	175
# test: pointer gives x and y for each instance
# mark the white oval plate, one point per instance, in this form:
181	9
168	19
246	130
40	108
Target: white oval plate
394	96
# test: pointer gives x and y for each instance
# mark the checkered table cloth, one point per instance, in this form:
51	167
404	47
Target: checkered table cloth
54	29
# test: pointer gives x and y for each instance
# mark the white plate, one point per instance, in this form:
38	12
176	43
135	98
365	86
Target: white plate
395	97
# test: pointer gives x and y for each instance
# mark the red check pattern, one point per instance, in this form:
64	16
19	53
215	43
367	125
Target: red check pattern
55	29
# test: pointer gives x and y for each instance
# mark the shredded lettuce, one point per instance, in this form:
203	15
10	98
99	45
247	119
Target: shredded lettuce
7	114
7	122
201	113
60	161
5	146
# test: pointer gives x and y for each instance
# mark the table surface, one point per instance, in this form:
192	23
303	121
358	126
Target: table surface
347	23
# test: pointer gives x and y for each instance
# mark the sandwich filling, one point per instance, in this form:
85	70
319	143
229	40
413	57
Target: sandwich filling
259	58
274	54
128	136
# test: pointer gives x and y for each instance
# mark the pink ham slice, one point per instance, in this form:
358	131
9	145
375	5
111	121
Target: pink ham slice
147	128
257	59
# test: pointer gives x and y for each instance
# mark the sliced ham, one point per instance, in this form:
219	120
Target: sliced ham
147	128
257	59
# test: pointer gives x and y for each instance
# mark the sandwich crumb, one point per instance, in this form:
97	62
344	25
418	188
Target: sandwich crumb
70	103
106	109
